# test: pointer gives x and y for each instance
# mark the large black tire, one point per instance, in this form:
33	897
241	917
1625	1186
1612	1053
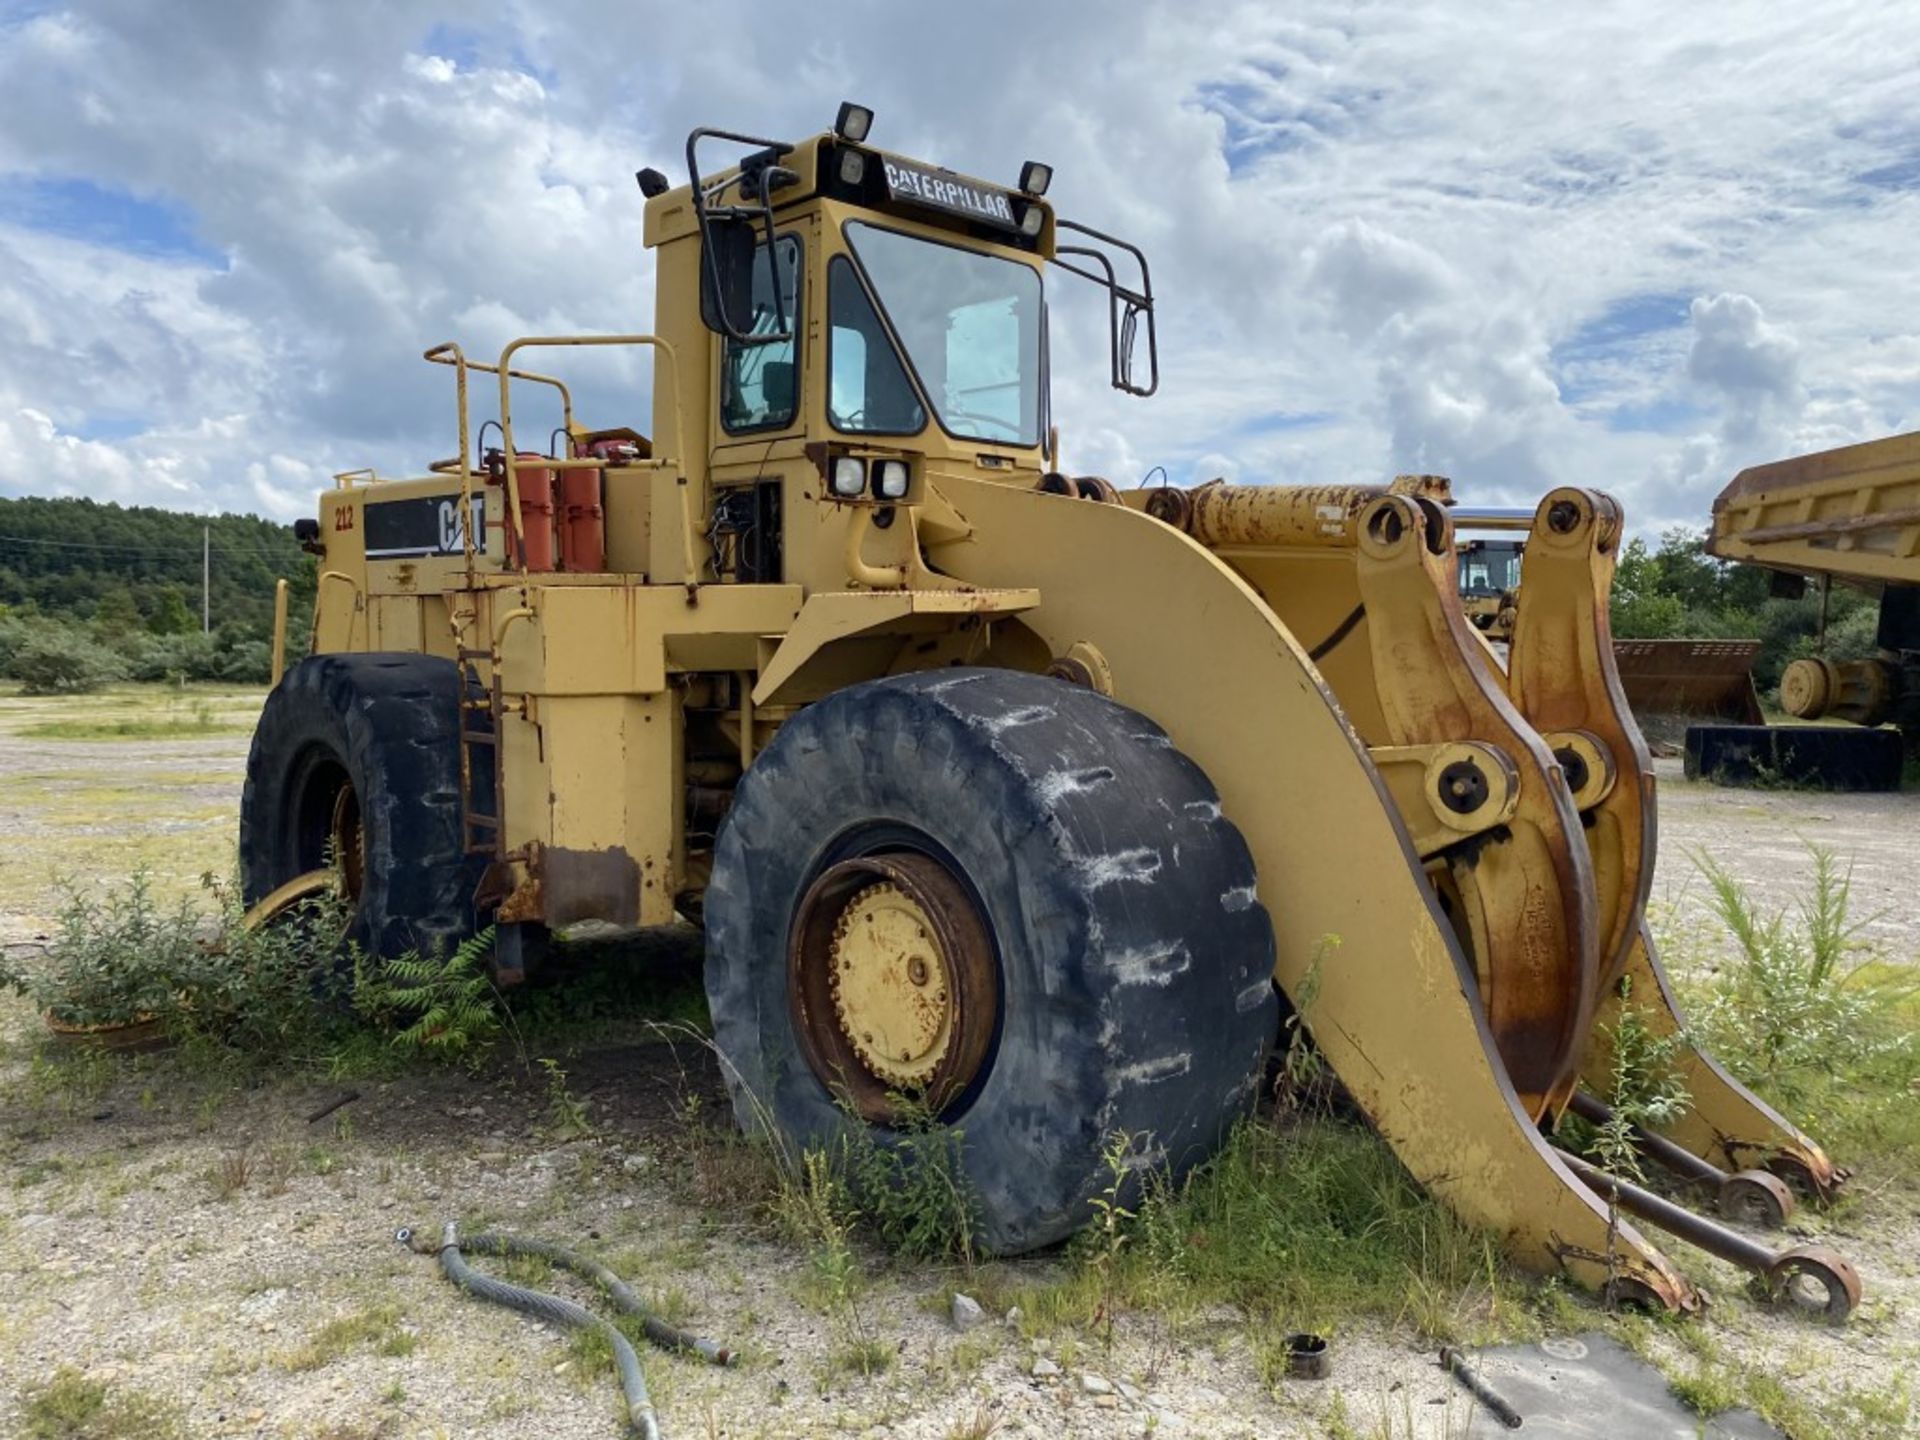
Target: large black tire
388	726
1135	962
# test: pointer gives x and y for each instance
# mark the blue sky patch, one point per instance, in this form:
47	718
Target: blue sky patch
110	427
1264	120
102	215
470	49
456	43
1901	175
1605	341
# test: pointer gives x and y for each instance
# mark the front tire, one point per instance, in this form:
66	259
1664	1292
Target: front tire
356	764
1129	965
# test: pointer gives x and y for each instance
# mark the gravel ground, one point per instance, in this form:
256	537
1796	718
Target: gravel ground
177	1239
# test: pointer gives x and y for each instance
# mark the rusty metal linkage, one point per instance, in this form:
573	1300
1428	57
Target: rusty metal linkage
1782	1272
1753	1197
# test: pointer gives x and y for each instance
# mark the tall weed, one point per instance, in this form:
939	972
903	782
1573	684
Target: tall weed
1810	1015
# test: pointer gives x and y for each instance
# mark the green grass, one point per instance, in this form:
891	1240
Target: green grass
72	1407
1708	1379
132	729
376	1328
1310	1224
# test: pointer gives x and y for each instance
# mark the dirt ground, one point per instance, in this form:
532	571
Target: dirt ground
233	1261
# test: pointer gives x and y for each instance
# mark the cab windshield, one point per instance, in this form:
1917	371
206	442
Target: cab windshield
970	324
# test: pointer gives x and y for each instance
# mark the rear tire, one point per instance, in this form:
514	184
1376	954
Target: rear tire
382	731
1133	962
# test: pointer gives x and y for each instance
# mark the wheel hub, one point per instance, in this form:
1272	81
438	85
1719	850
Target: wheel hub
892	982
892	988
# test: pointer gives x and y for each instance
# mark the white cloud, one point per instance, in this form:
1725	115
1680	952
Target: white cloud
1752	365
1630	246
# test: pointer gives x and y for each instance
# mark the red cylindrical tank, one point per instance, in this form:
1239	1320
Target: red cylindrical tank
536	512
583	526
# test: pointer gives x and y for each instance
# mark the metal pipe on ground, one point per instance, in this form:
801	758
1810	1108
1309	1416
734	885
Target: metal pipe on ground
1752	1196
1786	1274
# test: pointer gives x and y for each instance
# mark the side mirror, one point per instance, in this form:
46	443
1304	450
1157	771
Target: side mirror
726	276
1126	342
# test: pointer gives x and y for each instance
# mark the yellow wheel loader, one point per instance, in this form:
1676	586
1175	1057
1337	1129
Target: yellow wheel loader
1002	794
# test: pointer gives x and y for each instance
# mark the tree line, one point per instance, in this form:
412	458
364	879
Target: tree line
94	592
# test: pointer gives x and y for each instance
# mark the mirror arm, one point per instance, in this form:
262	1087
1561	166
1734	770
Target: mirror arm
705	213
1125	305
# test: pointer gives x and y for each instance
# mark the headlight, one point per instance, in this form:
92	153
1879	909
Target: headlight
1031	222
849	477
853	122
890	479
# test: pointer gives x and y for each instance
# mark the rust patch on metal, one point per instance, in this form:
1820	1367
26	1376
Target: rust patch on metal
849	993
564	886
1171	506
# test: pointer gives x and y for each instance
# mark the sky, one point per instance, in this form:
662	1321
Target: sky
1631	245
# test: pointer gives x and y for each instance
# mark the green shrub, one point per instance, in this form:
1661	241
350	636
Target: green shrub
208	979
57	660
266	992
115	961
1811	1017
172	657
910	1188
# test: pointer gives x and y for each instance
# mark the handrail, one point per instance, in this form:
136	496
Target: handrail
675	460
450	353
439	356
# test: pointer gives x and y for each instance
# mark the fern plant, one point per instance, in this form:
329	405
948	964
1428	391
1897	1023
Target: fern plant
440	1007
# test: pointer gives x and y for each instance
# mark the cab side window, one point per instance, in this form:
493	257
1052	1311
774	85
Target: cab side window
759	384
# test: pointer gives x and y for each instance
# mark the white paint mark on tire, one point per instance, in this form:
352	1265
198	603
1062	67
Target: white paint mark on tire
1253	997
1152	1072
1154	964
1136	866
1061	783
1009	719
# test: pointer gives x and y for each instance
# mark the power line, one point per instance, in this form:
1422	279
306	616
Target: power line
107	547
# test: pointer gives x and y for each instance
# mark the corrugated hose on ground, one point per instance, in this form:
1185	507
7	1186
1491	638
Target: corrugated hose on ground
557	1310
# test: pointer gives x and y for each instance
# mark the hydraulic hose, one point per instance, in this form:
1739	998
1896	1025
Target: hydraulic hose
557	1310
666	1336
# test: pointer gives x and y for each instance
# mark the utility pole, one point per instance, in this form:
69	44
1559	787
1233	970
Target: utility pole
206	579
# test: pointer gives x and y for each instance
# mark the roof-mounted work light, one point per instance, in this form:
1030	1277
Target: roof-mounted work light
853	122
1035	177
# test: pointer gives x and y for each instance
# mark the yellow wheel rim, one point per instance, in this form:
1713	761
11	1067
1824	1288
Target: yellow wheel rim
892	987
